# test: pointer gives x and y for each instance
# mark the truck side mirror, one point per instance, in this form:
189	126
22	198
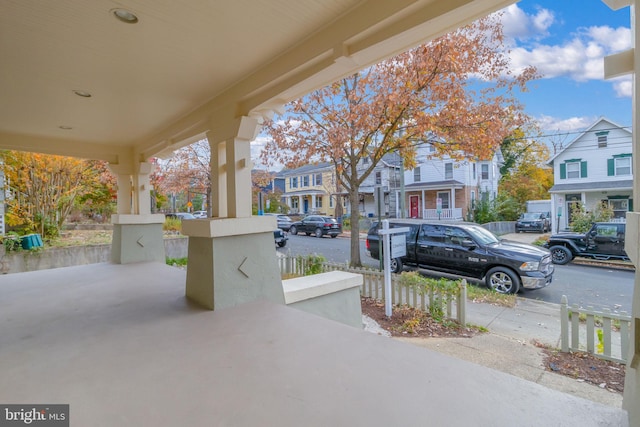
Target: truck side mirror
468	244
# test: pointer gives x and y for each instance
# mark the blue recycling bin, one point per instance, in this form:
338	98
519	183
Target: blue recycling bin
31	241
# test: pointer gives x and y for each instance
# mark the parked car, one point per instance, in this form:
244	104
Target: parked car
604	241
284	222
180	215
280	238
469	250
317	225
200	214
533	221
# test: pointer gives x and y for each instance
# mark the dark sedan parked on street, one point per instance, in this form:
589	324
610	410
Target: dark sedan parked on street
317	225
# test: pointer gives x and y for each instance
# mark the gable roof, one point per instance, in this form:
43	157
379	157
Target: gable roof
306	169
589	129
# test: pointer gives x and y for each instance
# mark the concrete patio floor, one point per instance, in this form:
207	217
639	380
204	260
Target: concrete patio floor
123	347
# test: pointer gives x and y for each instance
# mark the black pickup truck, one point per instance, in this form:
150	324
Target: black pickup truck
467	249
604	241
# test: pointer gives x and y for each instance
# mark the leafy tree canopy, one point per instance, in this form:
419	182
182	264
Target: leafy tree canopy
458	87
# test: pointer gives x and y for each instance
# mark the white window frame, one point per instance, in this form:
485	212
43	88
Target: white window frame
618	166
448	171
445	196
484	171
416	174
573	170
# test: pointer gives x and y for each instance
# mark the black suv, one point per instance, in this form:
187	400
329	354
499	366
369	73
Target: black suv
317	225
467	249
604	241
533	221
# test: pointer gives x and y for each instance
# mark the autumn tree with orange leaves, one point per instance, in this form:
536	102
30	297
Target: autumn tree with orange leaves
187	171
42	190
524	174
458	87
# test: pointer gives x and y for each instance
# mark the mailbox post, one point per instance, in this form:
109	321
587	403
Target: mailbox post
397	250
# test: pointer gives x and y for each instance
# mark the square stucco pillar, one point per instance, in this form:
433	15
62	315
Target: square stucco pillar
137	238
232	261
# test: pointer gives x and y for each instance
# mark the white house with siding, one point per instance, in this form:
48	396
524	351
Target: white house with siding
596	167
447	188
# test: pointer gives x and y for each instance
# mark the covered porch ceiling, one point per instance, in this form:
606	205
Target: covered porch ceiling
186	67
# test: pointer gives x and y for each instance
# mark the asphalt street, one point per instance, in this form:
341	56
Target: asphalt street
588	286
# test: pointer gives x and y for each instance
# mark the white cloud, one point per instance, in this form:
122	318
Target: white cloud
580	57
518	25
623	86
572	124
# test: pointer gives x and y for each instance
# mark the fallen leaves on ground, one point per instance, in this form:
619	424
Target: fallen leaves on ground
586	367
410	322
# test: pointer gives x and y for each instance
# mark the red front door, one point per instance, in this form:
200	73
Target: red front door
414	207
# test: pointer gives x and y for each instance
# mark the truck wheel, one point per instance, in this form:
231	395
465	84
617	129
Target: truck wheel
396	265
293	230
560	255
503	280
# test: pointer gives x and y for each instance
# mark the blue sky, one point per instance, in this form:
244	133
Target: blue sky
566	40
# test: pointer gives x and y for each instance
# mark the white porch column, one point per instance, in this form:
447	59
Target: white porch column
452	203
124	202
137	234
300	205
616	65
424	204
313	202
232	257
239	178
217	164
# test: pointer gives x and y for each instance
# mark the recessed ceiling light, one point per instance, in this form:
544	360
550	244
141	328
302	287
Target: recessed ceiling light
82	93
125	16
65	127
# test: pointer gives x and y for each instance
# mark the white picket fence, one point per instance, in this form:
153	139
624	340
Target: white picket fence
608	341
373	286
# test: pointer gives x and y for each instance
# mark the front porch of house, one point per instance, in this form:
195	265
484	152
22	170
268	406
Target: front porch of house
123	346
449	203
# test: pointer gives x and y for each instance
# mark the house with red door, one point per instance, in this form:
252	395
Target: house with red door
446	188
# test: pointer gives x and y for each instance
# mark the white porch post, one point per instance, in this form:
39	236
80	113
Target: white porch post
616	65
137	234
232	256
300	206
217	164
424	204
313	202
452	202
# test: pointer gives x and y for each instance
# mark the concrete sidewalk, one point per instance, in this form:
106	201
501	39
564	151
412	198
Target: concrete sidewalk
509	346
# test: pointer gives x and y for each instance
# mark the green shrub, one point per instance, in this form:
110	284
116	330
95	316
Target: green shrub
581	219
177	261
11	241
312	263
440	291
172	224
